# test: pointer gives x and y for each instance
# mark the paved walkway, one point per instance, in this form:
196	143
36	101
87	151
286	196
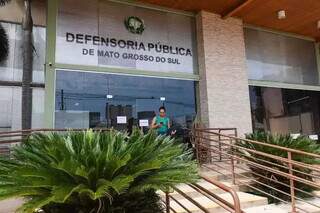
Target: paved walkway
10	206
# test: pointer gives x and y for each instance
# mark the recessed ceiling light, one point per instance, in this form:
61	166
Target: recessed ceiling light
281	14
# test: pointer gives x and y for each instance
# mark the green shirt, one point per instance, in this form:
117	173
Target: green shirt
165	125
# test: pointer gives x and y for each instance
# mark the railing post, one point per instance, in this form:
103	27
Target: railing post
232	163
209	151
200	147
293	201
196	143
233	142
167	202
26	134
220	148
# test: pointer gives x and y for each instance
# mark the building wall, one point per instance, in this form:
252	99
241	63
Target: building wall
224	99
224	93
13	12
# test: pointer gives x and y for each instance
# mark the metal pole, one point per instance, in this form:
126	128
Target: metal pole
220	149
293	201
236	135
203	155
167	202
196	134
232	164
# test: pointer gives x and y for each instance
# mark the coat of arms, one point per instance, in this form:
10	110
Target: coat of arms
134	25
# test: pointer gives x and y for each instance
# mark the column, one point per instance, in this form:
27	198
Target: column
224	92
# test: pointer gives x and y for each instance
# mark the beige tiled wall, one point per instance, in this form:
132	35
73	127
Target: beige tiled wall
224	93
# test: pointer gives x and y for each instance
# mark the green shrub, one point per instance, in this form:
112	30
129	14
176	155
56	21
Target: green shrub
269	178
94	171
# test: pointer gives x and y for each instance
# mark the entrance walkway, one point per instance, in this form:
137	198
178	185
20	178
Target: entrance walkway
10	206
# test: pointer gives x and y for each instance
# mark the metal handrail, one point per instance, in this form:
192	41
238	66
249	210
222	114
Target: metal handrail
16	136
230	207
260	143
210	140
231	191
285	160
52	130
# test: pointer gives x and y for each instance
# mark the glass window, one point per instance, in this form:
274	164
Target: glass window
10	110
11	69
85	99
285	110
274	57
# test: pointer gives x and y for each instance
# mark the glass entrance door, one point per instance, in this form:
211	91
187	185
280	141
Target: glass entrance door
123	113
91	100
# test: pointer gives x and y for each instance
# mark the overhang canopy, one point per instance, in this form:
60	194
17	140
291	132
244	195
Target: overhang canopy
302	16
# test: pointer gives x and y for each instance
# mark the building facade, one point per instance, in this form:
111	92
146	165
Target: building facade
113	63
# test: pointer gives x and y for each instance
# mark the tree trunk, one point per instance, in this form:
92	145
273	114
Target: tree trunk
27	41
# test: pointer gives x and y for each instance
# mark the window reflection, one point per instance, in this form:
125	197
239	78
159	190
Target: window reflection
274	57
10	110
285	110
85	99
11	69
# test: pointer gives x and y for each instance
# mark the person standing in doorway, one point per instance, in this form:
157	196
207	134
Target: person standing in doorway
161	122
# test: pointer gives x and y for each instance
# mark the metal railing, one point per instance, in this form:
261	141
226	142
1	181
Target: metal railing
229	207
272	171
11	138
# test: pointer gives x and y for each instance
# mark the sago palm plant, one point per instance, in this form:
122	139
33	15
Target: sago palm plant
93	171
271	180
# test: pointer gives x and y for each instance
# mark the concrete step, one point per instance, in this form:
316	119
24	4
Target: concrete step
272	208
246	200
193	193
222	171
285	208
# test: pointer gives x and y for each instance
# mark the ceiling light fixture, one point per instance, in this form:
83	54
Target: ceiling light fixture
318	24
281	14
